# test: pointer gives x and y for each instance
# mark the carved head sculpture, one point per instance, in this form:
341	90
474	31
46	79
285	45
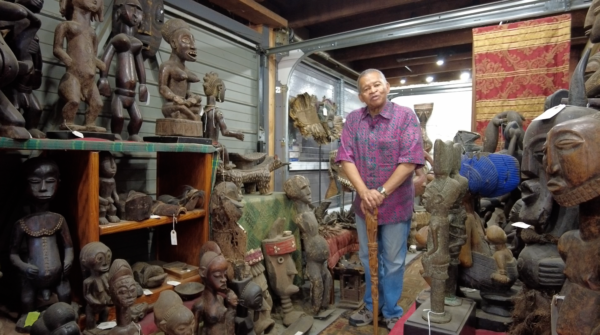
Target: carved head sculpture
123	290
149	30
571	160
128	12
177	33
95	258
280	265
213	267
42	177
214	86
297	188
58	319
249	293
108	166
495	235
225	204
93	6
171	316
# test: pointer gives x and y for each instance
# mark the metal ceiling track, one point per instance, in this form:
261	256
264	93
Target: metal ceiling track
475	16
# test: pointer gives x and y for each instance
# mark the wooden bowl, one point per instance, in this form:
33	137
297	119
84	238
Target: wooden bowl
189	291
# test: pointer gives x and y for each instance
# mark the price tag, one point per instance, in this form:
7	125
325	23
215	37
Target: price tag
173	282
107	325
155	216
78	134
173	237
550	112
31	318
521	225
147	292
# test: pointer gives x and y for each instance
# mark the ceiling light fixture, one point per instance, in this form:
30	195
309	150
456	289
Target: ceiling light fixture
440	62
465	76
429	79
406	66
402	81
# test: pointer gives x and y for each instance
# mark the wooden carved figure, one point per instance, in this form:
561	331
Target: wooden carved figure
502	255
316	247
149	31
46	235
281	268
24	42
440	195
263	323
80	59
217	304
109	199
127	16
424	112
250	304
171	316
12	122
148	276
174	77
95	258
226	209
123	292
213	119
59	318
573	169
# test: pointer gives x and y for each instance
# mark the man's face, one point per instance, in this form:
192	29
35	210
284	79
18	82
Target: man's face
43	183
373	90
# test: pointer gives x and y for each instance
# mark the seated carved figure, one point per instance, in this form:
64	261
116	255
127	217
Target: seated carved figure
573	169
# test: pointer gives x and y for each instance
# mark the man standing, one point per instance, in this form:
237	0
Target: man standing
380	148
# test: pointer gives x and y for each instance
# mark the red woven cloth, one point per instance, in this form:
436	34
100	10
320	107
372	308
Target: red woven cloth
517	65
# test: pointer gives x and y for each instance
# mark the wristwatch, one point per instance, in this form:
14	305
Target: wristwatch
381	190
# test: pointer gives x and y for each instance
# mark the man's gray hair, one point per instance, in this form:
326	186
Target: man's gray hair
366	72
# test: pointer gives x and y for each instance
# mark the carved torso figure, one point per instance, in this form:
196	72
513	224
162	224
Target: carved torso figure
250	295
316	247
226	209
95	258
174	77
77	83
171	316
44	233
123	293
109	199
128	14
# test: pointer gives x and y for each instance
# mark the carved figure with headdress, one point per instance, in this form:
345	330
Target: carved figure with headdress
95	258
123	292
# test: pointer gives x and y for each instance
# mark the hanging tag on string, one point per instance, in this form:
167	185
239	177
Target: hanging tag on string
173	232
74	132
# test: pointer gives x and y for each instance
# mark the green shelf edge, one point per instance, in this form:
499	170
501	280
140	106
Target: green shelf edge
124	146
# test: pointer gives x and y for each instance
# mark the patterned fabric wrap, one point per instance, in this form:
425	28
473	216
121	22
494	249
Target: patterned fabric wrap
517	65
376	146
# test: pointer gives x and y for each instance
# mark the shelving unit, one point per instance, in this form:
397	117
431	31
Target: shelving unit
177	165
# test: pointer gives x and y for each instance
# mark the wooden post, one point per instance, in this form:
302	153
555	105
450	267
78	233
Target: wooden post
373	265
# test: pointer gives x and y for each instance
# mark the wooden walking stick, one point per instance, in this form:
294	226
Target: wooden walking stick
373	265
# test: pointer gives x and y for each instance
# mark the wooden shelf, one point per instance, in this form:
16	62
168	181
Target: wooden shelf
133	225
103	145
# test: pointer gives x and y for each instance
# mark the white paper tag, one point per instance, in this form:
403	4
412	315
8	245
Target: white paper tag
147	292
299	333
155	216
554	310
78	134
520	225
173	282
107	325
173	237
550	112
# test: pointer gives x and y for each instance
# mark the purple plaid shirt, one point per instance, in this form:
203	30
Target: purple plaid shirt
376	146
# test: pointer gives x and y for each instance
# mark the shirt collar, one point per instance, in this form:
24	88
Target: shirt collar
386	112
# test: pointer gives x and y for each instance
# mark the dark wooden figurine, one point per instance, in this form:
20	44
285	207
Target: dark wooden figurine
171	316
316	247
123	293
226	209
149	29
59	318
217	305
46	235
109	199
127	16
95	259
149	276
250	303
263	323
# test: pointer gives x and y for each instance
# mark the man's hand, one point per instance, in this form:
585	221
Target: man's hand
371	199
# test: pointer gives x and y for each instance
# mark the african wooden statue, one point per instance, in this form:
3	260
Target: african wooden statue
264	323
59	318
457	217
148	30
250	304
502	255
12	122
213	119
217	304
171	316
251	177
123	293
281	268
174	82
95	258
440	195
77	84
592	29
511	125
316	248
25	44
109	199
424	112
127	16
226	209
46	235
303	110
148	276
573	169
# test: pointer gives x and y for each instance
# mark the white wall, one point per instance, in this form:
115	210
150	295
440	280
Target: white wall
451	112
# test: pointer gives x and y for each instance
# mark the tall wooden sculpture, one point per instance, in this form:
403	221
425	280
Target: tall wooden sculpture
373	265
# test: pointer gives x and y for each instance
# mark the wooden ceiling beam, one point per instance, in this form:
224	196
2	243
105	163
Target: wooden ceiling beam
253	12
430	68
320	11
411	59
421	79
404	45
